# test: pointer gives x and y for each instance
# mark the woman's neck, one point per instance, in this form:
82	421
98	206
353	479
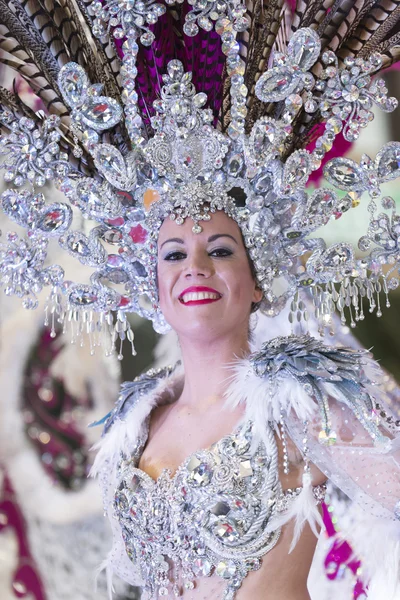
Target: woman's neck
208	368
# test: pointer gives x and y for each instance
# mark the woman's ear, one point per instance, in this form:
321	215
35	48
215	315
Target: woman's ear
257	296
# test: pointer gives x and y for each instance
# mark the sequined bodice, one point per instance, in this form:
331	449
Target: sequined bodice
209	518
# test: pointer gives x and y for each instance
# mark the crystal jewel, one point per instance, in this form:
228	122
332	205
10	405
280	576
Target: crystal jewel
101	113
304	48
201	567
344	173
226	531
388	161
73	83
200	472
55	219
274	85
226	569
82	297
29	152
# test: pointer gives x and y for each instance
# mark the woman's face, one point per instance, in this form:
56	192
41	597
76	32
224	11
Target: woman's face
204	280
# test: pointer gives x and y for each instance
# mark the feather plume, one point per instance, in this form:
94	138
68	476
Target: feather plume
124	433
303	509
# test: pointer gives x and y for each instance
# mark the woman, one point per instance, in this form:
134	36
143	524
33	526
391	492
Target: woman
219	102
178	437
206	294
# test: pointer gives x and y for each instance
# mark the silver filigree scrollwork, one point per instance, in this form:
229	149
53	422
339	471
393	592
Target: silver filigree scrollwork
350	93
289	74
126	18
22	270
32	154
91	111
214	521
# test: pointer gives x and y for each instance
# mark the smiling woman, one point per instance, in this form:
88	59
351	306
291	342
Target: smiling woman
219	466
214	470
215	262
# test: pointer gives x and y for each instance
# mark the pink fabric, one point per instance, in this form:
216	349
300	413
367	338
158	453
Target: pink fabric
340	556
26	576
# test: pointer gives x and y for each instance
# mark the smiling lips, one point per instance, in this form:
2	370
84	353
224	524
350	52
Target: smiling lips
199	295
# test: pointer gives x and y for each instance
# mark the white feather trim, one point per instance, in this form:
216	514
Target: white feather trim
265	402
303	509
124	433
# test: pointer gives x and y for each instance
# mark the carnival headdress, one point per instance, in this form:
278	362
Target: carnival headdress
158	111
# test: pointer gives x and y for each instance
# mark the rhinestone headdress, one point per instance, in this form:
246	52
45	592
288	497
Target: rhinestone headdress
128	169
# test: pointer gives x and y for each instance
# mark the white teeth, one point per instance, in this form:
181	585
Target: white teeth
193	296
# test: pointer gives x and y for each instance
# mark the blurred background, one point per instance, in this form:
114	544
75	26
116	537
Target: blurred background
52	532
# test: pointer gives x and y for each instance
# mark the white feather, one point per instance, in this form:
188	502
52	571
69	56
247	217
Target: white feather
124	433
303	509
265	401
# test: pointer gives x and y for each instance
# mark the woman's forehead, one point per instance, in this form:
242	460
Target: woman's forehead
219	223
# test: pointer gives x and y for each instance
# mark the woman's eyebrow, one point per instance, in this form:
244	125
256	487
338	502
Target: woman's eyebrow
214	237
177	240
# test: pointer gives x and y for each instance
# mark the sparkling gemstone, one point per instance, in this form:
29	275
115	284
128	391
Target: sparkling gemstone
101	113
263	182
87	192
388	161
321	204
304	48
337	255
138	234
343	173
79	246
205	23
53	220
28	152
223	24
220	509
200	99
351	93
241	24
297	168
226	531
226	569
147	38
276	84
110	161
264	135
190	28
245	469
235	164
112	236
294	102
200	472
73	83
202	566
82	297
115	261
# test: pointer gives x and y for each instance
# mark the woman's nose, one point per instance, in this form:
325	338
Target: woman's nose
199	265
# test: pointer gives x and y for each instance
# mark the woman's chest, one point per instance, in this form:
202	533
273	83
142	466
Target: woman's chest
209	518
173	435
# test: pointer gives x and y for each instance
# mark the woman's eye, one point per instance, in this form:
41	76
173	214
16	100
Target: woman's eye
221	252
176	255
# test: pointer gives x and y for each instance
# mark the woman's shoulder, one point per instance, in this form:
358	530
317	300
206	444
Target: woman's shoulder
123	424
133	393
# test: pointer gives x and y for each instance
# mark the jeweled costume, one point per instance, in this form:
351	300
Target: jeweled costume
230	107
